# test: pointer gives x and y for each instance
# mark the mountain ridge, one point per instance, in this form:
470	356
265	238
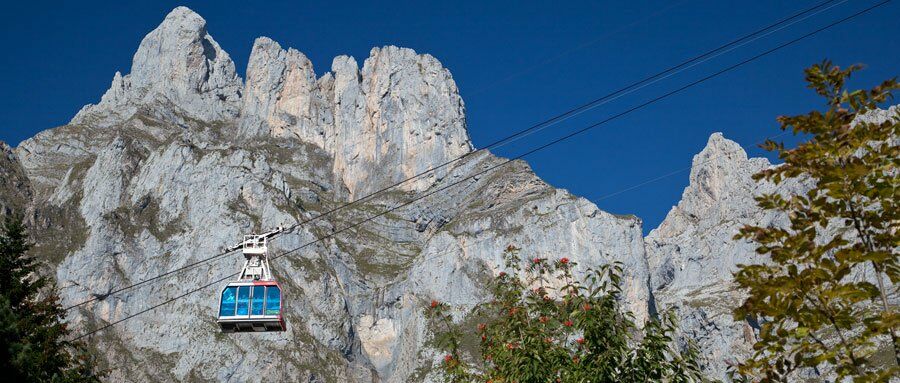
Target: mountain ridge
142	185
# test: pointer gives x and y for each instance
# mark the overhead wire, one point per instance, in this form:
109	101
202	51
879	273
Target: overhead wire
433	256
618	192
565	52
613	194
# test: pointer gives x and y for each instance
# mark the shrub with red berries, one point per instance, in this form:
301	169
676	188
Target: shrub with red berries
545	325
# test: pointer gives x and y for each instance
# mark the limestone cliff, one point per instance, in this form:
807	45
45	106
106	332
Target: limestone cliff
398	116
181	157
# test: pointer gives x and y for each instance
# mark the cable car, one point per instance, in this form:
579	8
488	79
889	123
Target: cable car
254	302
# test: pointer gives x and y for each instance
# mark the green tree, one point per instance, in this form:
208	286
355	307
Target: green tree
823	293
546	326
32	333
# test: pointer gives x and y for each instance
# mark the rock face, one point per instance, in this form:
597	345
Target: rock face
692	254
282	98
180	158
177	64
15	188
396	118
718	199
401	115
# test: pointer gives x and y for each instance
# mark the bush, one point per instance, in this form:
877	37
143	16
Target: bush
547	326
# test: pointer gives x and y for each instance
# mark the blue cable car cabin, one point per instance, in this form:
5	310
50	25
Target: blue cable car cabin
251	306
252	303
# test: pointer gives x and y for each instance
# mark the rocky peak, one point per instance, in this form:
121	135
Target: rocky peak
721	166
719	172
720	190
398	116
280	96
177	65
693	254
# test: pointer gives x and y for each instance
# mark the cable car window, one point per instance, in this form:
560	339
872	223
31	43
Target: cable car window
273	300
243	300
256	303
227	307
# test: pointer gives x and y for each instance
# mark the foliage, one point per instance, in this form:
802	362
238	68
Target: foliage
548	327
822	295
32	334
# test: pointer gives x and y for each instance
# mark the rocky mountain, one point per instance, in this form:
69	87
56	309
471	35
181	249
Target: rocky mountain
692	254
181	157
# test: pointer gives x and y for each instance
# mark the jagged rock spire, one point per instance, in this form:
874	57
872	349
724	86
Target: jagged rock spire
721	168
398	116
179	69
281	98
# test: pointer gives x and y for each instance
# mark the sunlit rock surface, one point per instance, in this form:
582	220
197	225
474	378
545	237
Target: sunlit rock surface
692	254
178	73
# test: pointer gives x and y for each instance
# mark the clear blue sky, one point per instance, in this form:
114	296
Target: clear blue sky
515	64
